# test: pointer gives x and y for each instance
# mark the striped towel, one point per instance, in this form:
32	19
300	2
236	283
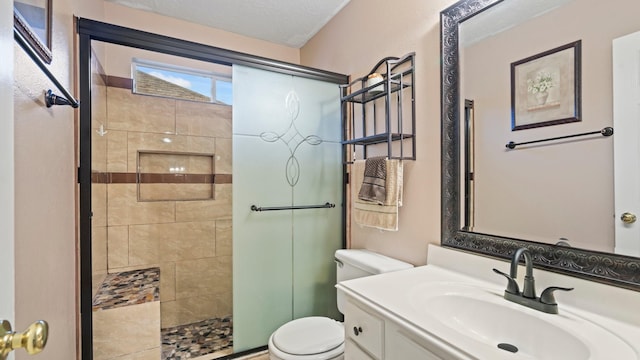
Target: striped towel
374	183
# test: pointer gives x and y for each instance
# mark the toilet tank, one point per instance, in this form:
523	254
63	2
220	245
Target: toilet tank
357	263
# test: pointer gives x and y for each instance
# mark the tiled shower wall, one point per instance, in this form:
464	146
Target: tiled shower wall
98	165
189	240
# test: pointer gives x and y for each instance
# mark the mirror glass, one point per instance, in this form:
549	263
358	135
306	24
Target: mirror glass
560	191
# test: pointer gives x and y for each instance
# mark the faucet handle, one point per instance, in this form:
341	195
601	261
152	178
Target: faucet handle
512	285
547	295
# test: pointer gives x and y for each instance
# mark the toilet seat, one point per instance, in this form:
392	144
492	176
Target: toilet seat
315	337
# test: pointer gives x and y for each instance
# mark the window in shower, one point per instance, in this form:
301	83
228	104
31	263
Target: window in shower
178	82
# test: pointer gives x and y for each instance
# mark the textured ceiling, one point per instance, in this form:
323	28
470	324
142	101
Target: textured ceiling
287	22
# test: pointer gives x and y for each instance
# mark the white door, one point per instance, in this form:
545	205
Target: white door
7	284
626	124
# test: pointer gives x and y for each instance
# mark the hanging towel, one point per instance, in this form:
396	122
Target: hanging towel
374	183
370	214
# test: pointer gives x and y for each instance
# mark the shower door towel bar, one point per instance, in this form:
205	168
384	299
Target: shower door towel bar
608	131
326	205
50	97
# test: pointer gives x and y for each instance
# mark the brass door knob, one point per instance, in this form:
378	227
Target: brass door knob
628	218
33	340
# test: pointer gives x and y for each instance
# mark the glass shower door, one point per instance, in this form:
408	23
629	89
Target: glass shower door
286	152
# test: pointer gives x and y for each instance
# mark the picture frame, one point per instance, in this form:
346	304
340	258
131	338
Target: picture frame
546	88
32	20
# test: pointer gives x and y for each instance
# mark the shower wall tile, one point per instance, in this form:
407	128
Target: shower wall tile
224	233
98	105
128	111
118	247
188	310
194	118
223	277
138	141
99	248
96	281
99	252
223	156
133	267
196	277
117	151
124	208
167	281
171	242
99	204
155	192
224	193
192	240
98	153
138	329
220	208
225	303
98	119
144	245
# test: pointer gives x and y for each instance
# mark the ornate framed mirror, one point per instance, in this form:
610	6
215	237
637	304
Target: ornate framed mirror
585	262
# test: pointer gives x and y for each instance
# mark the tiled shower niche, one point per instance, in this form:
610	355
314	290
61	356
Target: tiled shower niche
175	176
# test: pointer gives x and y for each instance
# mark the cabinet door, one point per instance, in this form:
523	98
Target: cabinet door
353	352
400	346
364	329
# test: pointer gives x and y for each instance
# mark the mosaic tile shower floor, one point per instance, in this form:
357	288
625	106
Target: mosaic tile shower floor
197	339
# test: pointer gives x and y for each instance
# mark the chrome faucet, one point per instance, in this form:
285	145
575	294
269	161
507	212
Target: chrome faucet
546	302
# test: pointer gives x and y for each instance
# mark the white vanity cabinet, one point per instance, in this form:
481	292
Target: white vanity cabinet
373	336
401	344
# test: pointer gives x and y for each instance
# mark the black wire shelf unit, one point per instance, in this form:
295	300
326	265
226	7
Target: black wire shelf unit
379	110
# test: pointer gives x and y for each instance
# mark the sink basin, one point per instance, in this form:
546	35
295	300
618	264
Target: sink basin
481	321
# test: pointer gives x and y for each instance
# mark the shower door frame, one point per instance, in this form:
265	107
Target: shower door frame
89	30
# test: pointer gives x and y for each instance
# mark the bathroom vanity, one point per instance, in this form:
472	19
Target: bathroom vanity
453	308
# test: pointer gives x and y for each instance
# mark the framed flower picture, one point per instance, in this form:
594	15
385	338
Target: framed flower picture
546	89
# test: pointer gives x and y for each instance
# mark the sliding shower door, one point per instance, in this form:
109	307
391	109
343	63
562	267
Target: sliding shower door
286	153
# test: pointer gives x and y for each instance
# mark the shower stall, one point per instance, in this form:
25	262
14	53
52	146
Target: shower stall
209	213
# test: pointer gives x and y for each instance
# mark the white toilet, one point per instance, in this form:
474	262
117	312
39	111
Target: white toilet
321	338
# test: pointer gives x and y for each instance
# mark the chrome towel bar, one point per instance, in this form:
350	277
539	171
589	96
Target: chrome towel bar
608	131
326	205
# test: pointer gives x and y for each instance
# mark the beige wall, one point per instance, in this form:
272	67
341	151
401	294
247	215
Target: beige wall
562	189
352	43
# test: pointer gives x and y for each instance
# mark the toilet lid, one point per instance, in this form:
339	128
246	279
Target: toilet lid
309	335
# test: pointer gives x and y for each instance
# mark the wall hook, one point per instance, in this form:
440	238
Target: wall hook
101	131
